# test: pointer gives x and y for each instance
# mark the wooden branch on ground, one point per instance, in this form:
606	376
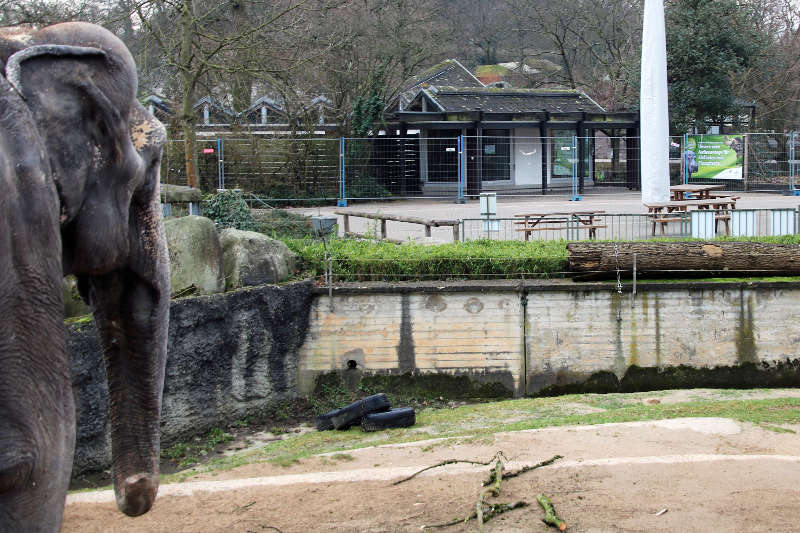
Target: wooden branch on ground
508	475
494	489
449	462
550	517
488	513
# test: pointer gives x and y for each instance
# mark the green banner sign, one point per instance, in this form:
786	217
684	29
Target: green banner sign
719	157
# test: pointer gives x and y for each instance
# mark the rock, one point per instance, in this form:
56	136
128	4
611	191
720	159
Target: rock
73	303
180	194
229	356
250	258
195	254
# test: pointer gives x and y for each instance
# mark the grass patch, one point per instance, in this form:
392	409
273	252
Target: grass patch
355	260
478	422
85	319
365	261
186	454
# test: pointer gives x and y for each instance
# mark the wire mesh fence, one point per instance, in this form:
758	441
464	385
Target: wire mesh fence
429	165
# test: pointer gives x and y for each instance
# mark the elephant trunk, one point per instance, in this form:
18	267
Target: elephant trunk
131	308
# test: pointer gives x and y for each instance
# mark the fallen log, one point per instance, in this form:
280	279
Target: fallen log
684	256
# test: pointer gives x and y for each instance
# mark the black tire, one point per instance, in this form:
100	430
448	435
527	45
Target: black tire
402	417
352	414
324	422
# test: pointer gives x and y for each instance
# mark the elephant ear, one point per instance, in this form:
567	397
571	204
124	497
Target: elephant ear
80	98
14	63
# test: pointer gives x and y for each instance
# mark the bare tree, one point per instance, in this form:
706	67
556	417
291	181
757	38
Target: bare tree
772	82
45	12
206	40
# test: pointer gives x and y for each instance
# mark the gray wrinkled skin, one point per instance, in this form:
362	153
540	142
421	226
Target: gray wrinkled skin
79	164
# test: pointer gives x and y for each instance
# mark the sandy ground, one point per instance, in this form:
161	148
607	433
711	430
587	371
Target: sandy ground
710	474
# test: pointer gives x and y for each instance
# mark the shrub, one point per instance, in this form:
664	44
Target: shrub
228	209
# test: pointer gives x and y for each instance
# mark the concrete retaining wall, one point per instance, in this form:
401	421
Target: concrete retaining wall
230	355
534	335
474	333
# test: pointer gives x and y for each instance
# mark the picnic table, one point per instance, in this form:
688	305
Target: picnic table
661	211
697	191
570	220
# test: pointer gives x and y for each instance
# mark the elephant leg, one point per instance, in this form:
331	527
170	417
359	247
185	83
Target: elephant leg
37	415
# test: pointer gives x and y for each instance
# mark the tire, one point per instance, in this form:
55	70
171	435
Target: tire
352	414
402	417
323	422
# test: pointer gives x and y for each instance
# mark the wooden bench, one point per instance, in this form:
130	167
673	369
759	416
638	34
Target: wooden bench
664	212
559	221
398	218
664	219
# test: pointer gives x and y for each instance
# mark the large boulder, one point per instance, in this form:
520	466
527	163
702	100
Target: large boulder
195	255
250	258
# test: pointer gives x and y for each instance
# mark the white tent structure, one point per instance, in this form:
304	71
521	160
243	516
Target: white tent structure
653	107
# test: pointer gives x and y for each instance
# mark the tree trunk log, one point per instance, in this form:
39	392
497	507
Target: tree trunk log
688	256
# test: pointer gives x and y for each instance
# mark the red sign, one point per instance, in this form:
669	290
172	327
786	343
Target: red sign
208	150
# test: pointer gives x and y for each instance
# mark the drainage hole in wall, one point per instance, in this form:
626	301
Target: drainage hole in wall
351	365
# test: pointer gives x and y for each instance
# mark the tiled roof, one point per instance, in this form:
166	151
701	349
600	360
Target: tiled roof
449	72
505	100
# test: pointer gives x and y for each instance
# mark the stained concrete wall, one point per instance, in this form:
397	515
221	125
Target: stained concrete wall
462	333
570	330
570	335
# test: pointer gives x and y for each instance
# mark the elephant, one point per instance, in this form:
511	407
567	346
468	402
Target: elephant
79	194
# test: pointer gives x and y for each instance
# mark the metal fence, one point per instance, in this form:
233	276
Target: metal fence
693	224
283	169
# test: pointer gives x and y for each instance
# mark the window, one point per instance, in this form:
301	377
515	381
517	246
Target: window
496	155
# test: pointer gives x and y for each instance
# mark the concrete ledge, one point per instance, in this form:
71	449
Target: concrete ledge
549	285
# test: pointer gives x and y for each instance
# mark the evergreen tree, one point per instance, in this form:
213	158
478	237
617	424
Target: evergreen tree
707	41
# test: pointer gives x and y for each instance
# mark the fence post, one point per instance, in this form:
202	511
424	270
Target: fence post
342	202
575	196
685	159
220	163
792	165
746	169
461	173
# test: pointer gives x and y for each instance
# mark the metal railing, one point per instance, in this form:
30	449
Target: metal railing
733	223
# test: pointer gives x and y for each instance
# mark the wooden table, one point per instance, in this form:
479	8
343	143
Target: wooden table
702	192
559	220
660	212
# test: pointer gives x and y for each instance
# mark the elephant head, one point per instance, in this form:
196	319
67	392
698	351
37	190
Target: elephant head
79	194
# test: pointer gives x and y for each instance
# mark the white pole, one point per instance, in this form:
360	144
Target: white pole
653	109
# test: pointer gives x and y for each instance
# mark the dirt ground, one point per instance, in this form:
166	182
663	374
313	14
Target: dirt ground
709	474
